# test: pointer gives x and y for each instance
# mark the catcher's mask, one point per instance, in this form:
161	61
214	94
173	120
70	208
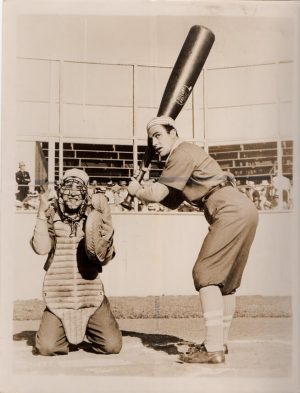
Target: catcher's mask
73	197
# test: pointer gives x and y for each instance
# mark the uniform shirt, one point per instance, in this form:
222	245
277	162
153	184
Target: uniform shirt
192	171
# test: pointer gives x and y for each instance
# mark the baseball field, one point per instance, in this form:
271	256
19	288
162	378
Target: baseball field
155	331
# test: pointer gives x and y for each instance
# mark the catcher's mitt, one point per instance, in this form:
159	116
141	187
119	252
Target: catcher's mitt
99	231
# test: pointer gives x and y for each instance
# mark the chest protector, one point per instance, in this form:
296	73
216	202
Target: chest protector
72	291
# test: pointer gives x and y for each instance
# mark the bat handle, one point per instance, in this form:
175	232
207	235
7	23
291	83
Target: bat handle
128	201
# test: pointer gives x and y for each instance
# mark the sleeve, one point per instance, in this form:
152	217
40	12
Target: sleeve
152	192
18	179
42	240
178	170
27	178
173	200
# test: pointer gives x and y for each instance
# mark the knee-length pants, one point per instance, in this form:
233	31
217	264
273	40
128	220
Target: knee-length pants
233	219
102	331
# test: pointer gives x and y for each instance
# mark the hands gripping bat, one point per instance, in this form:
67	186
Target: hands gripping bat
184	75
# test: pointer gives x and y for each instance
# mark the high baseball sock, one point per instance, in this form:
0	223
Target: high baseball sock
229	309
212	307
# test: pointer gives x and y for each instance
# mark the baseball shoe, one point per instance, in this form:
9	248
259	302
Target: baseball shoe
200	355
201	347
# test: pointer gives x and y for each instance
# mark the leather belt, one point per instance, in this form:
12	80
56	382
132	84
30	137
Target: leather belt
201	201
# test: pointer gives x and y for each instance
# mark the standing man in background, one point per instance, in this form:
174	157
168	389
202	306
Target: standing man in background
23	179
282	190
191	175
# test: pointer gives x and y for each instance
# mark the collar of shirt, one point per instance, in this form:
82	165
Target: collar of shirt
176	144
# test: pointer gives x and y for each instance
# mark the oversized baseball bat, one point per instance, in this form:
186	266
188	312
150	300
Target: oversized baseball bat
181	82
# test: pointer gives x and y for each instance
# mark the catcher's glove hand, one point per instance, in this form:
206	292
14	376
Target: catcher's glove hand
98	238
100	203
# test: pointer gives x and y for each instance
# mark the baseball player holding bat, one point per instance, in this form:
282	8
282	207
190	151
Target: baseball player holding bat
75	231
192	175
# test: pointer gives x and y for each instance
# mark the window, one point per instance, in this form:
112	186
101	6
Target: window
102	130
258	173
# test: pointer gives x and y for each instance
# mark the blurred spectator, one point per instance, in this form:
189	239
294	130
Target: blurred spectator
93	187
256	199
120	195
109	193
186	207
154	207
282	190
101	189
243	191
250	188
265	195
31	202
23	179
122	192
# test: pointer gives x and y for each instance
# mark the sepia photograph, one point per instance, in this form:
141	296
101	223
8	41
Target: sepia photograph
149	196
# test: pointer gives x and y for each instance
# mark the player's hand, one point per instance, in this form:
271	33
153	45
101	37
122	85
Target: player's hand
144	169
45	201
133	186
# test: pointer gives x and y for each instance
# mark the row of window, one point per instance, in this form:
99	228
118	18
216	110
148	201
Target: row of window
247	162
110	167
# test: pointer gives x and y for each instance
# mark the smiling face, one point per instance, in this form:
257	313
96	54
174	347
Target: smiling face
73	194
162	140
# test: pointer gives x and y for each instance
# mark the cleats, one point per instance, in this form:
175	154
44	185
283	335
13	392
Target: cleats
199	354
197	347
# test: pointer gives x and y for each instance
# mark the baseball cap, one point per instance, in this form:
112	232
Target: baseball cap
161	120
78	173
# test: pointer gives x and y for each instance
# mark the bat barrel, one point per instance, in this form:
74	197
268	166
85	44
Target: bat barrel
184	75
186	70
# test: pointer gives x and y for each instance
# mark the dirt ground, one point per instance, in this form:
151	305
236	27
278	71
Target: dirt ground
259	360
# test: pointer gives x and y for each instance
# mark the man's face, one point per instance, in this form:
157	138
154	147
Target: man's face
162	140
72	194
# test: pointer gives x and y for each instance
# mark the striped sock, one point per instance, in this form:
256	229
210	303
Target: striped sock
229	309
212	307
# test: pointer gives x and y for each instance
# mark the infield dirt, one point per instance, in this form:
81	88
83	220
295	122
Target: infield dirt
260	351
